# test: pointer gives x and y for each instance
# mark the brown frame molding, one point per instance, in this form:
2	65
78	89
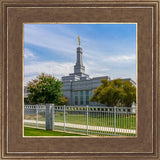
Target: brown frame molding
14	13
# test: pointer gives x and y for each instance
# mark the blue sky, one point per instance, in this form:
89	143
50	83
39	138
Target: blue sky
108	49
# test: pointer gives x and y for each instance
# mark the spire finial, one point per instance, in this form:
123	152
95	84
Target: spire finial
79	40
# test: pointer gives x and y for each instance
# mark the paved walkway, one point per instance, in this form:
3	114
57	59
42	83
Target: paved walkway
80	126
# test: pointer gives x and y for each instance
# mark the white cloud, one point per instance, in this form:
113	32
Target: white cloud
50	40
54	68
105	57
28	54
64	40
97	61
95	68
63	69
122	58
113	66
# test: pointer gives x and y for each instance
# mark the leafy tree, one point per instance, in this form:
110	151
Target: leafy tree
115	93
63	101
26	101
45	89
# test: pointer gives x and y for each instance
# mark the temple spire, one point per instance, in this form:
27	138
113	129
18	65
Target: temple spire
79	68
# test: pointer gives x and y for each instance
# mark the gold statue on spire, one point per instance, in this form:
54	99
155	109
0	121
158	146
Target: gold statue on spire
79	40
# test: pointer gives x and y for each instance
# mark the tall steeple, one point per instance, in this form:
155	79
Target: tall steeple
79	68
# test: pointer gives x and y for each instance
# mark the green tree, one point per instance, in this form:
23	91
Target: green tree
44	89
63	101
115	93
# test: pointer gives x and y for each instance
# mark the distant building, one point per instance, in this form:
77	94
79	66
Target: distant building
78	87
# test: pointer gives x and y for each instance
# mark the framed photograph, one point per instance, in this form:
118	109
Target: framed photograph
60	63
63	72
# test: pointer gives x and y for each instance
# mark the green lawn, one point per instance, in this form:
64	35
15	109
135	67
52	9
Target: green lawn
40	132
122	121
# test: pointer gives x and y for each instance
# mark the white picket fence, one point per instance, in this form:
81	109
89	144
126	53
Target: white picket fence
89	120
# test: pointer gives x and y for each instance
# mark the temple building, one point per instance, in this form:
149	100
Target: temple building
78	87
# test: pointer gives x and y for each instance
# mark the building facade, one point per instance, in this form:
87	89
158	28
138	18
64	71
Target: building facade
78	87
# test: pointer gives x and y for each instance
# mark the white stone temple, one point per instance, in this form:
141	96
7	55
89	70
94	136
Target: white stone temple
78	87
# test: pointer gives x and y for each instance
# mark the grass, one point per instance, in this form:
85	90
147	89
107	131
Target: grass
34	117
40	132
124	121
99	119
34	125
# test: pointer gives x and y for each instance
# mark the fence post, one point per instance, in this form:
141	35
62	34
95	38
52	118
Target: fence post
64	118
36	115
52	117
114	120
49	116
87	119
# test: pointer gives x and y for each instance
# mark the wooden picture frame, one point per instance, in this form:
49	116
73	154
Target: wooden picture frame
146	145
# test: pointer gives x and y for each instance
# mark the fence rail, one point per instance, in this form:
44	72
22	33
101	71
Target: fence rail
34	116
89	120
